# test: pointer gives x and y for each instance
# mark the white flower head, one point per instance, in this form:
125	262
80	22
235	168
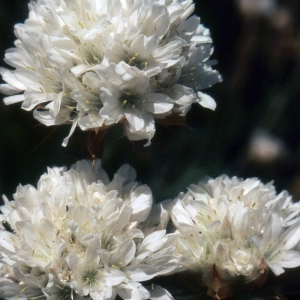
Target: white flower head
232	231
93	63
79	235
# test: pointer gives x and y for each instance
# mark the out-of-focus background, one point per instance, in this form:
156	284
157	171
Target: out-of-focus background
254	132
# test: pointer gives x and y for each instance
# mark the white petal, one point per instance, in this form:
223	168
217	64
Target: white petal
80	69
276	269
135	118
288	259
141	203
180	216
273	228
154	241
157	103
13	99
11	79
132	291
206	101
141	272
29	80
32	99
7	243
47	119
124	255
66	140
8	89
112	276
158	293
289	239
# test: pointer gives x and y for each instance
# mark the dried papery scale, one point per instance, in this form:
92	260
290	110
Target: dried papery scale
221	288
96	143
93	64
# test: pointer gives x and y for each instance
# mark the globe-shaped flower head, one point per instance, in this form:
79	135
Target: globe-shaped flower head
95	63
80	236
232	231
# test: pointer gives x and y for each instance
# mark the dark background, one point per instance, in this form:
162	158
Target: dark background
258	55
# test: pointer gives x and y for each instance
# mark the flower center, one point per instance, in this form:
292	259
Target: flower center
93	58
108	243
130	99
89	276
134	61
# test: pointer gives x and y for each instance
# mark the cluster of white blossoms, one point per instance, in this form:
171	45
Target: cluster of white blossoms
95	63
232	231
80	236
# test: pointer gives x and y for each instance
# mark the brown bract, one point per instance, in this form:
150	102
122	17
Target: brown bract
223	288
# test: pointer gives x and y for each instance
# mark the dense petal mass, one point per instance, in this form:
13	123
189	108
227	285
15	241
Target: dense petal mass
93	63
233	230
79	235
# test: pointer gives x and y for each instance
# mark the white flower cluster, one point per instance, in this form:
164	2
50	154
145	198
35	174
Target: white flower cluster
97	63
232	231
80	236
